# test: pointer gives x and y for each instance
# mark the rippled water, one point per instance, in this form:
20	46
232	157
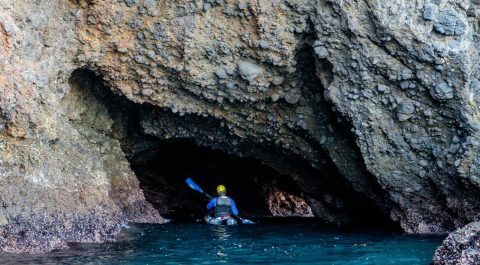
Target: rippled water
248	244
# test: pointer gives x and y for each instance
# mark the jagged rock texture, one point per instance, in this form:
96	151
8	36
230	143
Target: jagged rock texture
361	102
460	247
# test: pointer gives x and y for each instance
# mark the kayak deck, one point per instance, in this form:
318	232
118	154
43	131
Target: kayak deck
220	221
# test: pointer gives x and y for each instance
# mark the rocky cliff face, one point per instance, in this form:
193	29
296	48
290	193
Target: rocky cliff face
460	247
369	107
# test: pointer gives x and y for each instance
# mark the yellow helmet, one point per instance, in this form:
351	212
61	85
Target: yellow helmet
221	188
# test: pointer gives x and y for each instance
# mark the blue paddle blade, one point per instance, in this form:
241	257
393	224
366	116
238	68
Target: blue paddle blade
193	185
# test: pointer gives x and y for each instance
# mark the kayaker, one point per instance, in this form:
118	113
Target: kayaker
223	207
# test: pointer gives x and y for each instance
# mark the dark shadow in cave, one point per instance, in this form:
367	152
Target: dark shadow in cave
162	172
316	74
161	166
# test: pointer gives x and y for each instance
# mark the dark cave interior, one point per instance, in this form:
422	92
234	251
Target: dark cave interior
162	172
162	165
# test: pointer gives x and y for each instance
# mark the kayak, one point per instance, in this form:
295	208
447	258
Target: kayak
220	221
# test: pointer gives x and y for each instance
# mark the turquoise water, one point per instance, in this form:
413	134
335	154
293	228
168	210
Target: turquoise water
248	244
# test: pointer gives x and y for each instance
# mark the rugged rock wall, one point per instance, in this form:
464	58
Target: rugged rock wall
62	177
405	76
367	105
252	93
460	247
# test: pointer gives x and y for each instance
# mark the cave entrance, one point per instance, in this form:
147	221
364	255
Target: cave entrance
257	189
162	165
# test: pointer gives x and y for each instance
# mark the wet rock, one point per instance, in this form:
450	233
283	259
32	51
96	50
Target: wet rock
460	247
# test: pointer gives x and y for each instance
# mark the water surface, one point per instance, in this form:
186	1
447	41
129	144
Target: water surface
248	244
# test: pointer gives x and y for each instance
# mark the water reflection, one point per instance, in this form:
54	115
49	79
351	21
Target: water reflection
221	232
221	236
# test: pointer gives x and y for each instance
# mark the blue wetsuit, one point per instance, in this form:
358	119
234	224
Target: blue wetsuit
213	204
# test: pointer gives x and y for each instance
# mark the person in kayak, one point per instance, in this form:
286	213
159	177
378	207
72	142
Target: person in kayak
223	207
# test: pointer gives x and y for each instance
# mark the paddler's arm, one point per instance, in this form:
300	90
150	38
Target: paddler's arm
234	207
212	204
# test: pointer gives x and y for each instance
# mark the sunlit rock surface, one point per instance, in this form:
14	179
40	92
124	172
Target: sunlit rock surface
369	106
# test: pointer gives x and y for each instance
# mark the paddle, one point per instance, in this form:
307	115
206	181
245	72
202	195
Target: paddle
246	221
194	186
